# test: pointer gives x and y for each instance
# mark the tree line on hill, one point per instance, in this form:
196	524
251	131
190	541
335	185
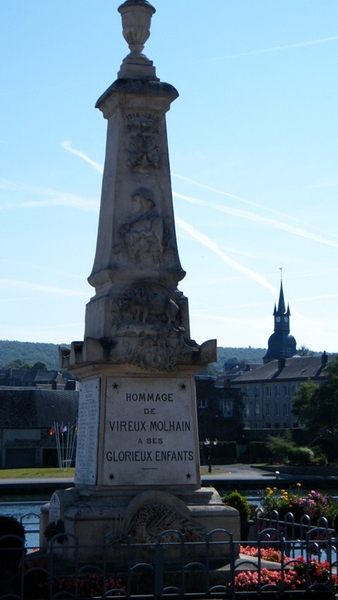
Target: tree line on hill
26	354
19	354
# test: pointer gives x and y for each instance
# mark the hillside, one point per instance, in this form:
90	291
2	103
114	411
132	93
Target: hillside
28	352
32	352
249	354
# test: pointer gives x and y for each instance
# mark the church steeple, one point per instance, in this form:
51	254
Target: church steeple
281	314
281	303
281	344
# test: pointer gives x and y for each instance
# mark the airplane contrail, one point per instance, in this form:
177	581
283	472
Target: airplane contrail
246	201
49	289
264	220
235	212
277	48
203	239
67	146
42	268
208	243
51	198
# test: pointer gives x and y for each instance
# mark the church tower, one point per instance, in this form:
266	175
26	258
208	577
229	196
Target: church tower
281	343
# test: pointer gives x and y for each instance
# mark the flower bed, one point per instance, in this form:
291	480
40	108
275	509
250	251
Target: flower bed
294	575
269	554
313	504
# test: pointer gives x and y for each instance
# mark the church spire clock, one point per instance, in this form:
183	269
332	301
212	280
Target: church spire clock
281	343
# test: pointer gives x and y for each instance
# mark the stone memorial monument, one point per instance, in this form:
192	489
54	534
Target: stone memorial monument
137	462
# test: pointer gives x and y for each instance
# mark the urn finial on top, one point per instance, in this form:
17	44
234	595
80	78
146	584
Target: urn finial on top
136	18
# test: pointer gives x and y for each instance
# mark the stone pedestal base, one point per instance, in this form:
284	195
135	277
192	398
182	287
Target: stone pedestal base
97	520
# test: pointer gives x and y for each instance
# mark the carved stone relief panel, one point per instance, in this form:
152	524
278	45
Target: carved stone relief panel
153	519
146	324
149	303
143	236
142	141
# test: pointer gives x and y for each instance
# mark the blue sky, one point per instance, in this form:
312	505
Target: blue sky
253	151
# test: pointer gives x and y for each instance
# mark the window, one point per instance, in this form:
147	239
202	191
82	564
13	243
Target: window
256	409
276	410
276	391
202	403
286	390
268	391
267	410
285	410
256	391
226	408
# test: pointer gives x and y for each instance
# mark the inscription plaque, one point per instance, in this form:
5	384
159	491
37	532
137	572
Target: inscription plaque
150	433
54	508
87	438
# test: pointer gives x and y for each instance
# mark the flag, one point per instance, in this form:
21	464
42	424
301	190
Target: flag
63	428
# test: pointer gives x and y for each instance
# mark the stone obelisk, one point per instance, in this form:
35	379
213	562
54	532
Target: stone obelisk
137	449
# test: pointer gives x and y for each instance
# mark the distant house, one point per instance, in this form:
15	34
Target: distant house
267	391
52	380
27	418
233	369
219	409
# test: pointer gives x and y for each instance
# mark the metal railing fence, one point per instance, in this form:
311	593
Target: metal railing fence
171	567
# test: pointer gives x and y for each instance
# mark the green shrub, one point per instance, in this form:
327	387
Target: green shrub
240	502
302	456
320	458
280	447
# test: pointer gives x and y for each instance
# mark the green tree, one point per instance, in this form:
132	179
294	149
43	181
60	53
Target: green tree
26	365
14	364
316	405
280	447
40	366
304	351
283	449
305	404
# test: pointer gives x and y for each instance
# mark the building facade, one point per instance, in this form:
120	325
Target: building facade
267	391
219	409
27	418
48	380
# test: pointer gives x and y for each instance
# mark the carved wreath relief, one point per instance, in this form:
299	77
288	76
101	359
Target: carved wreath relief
155	518
143	147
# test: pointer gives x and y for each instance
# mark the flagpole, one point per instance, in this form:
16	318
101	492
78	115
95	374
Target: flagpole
57	441
65	446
